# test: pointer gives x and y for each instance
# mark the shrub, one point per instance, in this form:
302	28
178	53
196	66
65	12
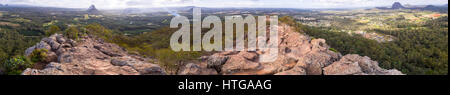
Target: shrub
170	59
288	20
71	33
167	59
3	56
292	22
38	55
52	30
15	66
99	31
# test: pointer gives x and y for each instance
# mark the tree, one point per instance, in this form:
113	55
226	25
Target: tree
52	30
291	22
99	31
3	56
16	65
415	51
13	43
71	33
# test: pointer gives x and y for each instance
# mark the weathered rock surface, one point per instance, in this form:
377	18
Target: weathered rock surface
194	69
357	65
89	57
298	55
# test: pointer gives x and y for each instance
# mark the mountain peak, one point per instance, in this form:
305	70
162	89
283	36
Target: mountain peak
92	7
92	10
397	5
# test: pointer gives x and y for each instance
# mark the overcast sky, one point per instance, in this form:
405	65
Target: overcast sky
113	4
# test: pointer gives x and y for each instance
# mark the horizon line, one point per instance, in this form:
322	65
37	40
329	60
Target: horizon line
28	5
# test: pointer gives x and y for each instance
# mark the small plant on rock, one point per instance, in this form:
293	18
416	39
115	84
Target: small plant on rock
38	55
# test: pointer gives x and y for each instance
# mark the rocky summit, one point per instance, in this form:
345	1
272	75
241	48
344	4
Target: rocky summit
88	56
298	55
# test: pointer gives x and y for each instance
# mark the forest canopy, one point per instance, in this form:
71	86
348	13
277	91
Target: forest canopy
415	51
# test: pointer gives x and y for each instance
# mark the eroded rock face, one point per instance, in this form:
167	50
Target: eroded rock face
357	65
89	57
298	55
216	61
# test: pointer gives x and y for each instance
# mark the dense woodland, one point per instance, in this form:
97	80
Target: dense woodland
12	48
153	45
415	51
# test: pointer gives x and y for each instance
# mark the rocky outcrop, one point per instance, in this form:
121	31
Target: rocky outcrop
357	65
194	69
298	55
89	56
397	5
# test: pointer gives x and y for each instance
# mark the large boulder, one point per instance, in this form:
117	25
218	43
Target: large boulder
90	56
50	44
293	71
140	66
239	63
216	61
356	65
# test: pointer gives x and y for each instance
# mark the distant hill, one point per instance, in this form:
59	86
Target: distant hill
30	8
435	8
15	5
93	10
430	7
131	10
398	5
